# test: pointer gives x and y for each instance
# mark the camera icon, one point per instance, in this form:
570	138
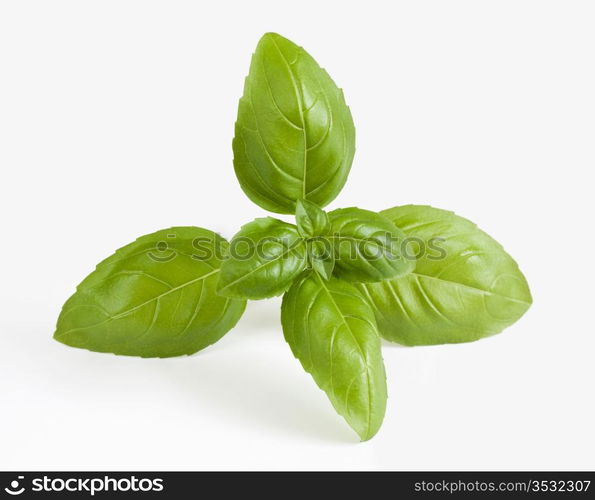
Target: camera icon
13	489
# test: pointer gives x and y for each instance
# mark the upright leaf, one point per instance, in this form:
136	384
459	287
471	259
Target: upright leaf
153	298
465	286
311	220
321	256
332	332
324	267
264	258
368	247
294	135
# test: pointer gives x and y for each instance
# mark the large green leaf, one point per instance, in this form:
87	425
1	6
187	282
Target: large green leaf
332	331
155	297
265	256
368	247
465	286
294	135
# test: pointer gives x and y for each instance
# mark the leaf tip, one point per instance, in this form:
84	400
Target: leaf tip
272	36
369	432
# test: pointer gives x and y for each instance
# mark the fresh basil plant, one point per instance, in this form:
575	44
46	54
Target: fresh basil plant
411	274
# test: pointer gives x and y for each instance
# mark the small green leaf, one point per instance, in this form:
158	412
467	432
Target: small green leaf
311	220
332	332
465	286
324	267
368	247
294	135
265	256
321	256
155	297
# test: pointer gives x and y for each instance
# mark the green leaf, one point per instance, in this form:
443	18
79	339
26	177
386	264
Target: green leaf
155	297
368	247
321	256
311	220
324	267
294	135
332	332
465	286
265	256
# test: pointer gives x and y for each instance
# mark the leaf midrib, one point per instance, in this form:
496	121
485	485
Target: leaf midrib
131	310
368	384
470	287
259	268
160	296
301	113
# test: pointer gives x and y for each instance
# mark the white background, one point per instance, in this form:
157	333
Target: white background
116	119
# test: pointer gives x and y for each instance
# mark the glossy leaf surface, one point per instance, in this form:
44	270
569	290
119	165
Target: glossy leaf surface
465	286
155	297
321	256
265	256
294	135
311	220
332	332
367	246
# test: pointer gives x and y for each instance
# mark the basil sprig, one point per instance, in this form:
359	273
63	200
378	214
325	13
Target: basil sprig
411	274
